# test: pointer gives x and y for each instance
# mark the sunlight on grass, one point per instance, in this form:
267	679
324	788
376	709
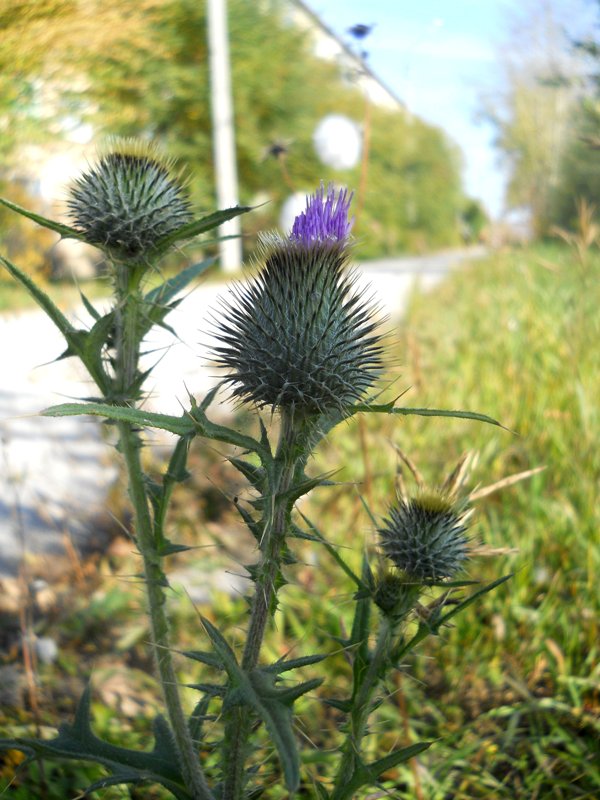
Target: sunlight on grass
512	692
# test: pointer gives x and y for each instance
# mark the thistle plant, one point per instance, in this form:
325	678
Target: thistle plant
301	346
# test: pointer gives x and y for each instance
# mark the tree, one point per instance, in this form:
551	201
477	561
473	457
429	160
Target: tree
152	81
535	112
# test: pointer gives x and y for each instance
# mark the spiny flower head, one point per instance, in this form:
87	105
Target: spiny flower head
425	538
129	200
299	335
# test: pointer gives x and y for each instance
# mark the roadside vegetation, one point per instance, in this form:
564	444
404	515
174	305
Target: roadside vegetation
515	705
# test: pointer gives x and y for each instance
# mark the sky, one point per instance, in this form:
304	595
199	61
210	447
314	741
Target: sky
438	56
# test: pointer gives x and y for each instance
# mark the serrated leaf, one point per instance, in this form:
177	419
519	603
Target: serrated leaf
368	774
171	287
76	339
390	408
78	742
289	695
342	705
64	230
257	690
198	226
92	311
211	659
180	426
293	663
471	599
254	475
40	297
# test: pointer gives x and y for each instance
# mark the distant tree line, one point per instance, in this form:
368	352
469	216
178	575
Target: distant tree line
547	112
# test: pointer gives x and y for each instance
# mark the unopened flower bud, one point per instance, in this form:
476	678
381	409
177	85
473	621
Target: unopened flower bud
128	201
425	538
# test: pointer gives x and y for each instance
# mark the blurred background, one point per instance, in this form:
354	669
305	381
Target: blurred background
470	126
452	122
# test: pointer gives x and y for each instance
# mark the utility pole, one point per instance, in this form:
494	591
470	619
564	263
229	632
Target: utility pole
223	131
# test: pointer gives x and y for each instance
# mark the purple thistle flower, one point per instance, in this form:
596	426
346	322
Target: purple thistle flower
325	218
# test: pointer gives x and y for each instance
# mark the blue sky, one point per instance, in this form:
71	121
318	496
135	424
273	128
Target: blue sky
438	56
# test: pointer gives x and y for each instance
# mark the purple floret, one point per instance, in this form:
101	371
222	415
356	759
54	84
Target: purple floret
325	218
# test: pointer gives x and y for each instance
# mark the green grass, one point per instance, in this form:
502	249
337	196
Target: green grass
512	691
514	688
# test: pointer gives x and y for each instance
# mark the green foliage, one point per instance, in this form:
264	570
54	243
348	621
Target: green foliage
250	694
159	87
78	742
514	334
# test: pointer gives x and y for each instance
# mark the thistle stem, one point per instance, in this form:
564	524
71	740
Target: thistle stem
238	722
361	708
128	348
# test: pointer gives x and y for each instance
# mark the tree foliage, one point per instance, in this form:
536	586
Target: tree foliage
140	67
547	112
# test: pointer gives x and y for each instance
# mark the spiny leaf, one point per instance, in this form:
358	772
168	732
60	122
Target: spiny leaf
360	633
198	717
198	226
181	426
257	690
76	339
289	695
390	408
277	717
78	742
293	663
207	399
64	231
298	490
41	298
211	659
321	791
167	290
93	312
368	774
167	548
254	526
224	651
471	599
342	705
204	427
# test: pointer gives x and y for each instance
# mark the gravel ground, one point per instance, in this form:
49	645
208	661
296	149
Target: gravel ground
55	474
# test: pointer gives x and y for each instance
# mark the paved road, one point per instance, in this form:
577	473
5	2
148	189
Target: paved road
55	473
